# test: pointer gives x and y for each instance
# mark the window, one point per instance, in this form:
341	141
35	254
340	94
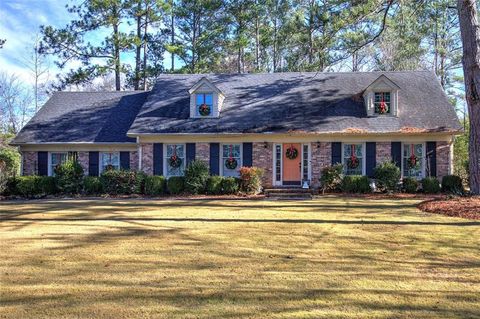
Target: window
56	159
382	103
231	159
204	104
412	161
353	159
175	159
278	163
109	160
305	162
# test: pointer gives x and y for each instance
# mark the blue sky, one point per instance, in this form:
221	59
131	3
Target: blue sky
20	21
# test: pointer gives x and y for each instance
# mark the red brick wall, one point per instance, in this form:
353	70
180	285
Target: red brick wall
263	158
202	152
83	160
321	157
384	152
443	159
29	163
147	158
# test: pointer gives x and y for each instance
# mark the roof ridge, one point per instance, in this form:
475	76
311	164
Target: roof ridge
294	72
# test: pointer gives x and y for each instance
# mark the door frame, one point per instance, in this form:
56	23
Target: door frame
276	182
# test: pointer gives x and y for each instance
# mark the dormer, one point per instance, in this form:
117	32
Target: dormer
381	97
206	99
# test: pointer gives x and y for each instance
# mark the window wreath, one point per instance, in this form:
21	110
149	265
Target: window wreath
109	167
353	162
230	162
175	161
412	160
291	152
204	110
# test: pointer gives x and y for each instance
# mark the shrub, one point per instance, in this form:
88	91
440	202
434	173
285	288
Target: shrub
196	176
155	185
251	179
356	184
69	177
121	182
176	185
430	185
387	176
10	186
410	185
9	165
32	186
452	184
230	185
92	185
214	185
331	177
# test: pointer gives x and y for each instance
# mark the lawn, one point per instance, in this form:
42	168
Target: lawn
326	258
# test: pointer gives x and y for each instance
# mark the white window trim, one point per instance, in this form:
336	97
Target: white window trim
220	156
274	163
212	111
165	164
49	161
364	158
100	157
309	161
424	153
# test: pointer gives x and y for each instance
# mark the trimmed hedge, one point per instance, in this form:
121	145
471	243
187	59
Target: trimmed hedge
430	185
356	184
230	185
196	176
32	186
452	184
387	176
155	185
92	185
410	185
69	177
331	177
251	180
122	182
176	185
214	185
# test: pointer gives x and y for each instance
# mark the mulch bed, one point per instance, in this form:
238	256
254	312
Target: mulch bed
464	207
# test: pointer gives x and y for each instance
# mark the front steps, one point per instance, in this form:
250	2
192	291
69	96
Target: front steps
292	193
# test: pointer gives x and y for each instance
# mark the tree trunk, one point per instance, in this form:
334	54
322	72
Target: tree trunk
470	32
172	26
138	49
116	56
145	49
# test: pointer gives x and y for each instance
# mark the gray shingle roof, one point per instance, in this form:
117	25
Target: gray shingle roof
84	117
302	102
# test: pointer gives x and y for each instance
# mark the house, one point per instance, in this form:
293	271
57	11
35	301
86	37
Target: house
290	124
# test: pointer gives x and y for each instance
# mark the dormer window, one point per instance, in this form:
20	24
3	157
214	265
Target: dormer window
206	99
381	97
382	103
204	103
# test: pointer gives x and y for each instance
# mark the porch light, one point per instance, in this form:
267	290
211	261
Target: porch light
265	144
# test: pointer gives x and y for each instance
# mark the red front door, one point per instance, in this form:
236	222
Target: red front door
292	167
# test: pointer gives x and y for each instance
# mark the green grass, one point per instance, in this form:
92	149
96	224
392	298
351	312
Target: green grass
326	258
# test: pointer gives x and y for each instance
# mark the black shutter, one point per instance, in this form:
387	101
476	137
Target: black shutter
42	159
247	159
190	156
396	152
158	159
214	159
371	158
93	163
432	159
125	160
336	153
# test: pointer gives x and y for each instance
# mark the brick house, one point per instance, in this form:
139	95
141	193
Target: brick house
289	124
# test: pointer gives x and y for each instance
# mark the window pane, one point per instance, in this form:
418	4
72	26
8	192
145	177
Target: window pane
417	170
233	151
199	99
179	150
347	153
305	162
278	163
209	99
